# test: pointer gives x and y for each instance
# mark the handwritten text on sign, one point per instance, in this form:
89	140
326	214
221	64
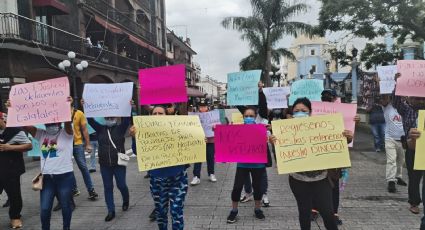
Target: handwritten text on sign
163	85
108	100
386	76
241	143
164	141
348	111
313	143
242	88
412	80
309	88
39	102
276	97
420	143
208	120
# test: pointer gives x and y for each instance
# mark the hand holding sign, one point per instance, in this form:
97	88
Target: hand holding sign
41	102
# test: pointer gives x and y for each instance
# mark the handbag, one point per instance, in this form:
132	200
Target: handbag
37	181
123	158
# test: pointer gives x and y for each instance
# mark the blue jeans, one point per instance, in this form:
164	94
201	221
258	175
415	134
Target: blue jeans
210	162
61	186
80	158
378	131
94	145
264	184
108	173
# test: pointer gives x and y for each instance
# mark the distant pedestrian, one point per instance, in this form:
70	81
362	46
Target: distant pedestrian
377	123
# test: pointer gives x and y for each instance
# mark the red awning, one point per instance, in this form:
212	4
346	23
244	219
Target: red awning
54	7
191	92
109	26
144	44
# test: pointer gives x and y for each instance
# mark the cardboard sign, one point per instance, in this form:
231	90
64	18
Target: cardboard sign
276	97
164	141
420	143
313	143
386	76
163	85
242	87
241	143
348	111
237	118
208	120
412	80
309	88
108	100
40	102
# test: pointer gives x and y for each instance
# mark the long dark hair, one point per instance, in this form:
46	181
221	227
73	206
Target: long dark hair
303	100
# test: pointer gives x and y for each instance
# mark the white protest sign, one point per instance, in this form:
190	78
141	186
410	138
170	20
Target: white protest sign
108	100
208	120
276	97
386	78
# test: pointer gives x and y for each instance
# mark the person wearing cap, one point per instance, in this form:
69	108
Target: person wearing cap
13	143
329	95
203	108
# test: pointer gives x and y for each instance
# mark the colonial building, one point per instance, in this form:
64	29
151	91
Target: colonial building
212	89
116	37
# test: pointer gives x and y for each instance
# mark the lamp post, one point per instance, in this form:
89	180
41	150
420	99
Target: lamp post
276	77
354	65
328	75
70	68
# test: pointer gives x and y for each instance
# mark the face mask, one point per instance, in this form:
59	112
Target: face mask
52	130
110	123
249	120
300	114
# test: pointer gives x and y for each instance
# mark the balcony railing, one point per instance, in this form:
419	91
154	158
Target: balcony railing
120	18
22	29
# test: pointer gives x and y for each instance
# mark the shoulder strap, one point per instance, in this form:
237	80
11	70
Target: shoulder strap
110	139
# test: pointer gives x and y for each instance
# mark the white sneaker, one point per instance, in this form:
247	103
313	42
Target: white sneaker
213	178
266	202
247	197
195	181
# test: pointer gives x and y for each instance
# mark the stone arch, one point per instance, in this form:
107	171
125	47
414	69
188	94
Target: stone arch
100	79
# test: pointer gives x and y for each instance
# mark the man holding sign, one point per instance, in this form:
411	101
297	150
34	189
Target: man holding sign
305	147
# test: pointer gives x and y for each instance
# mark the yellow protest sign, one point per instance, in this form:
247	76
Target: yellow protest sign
420	143
164	141
237	118
313	143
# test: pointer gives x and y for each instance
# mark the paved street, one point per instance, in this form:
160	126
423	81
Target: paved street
365	202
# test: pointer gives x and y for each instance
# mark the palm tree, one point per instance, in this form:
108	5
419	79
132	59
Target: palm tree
268	23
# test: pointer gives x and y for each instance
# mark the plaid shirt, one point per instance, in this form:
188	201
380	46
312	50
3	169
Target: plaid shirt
407	113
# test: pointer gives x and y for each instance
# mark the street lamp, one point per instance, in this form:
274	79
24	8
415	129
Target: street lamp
328	75
276	77
69	67
354	65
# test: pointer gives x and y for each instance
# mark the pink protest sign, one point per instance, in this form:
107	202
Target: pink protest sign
412	80
241	143
348	111
40	102
163	85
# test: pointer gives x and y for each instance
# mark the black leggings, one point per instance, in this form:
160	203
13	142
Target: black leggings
240	177
321	193
12	187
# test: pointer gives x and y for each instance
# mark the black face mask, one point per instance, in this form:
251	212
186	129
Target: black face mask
327	99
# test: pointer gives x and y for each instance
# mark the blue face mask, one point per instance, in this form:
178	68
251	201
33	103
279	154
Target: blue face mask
249	120
300	114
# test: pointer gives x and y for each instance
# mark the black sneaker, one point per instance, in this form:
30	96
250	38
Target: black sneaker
92	170
76	192
57	207
401	182
125	206
259	214
391	187
147	176
338	221
93	195
110	216
152	216
232	217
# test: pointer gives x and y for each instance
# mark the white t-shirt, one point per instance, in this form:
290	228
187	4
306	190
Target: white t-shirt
58	151
393	123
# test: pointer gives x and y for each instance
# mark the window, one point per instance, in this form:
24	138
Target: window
313	68
312	52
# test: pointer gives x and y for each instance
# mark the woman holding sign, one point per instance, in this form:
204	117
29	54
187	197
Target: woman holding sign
313	185
243	171
168	188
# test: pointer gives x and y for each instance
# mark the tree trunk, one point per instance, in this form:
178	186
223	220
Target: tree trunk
268	63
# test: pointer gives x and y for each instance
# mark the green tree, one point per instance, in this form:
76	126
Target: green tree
373	18
377	54
269	22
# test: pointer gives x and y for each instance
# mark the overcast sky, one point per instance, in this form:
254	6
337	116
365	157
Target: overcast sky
219	50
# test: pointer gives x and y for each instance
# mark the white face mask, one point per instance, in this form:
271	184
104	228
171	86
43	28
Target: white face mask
52	130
